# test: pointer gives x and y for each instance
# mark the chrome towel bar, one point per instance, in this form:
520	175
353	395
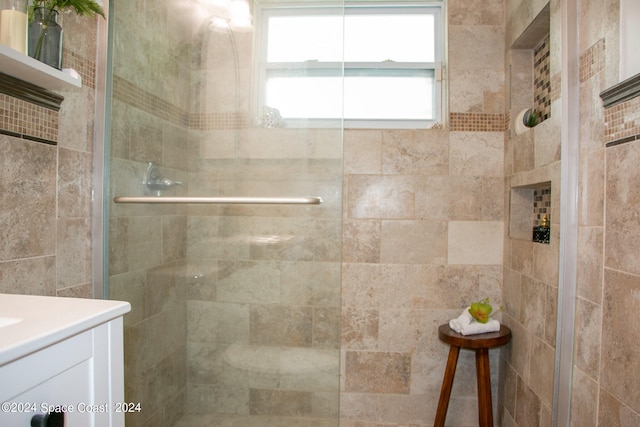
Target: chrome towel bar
221	200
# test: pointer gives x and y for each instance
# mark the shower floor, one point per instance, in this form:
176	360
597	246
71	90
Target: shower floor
204	420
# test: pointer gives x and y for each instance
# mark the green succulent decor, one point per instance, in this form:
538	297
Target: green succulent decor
81	7
42	16
531	119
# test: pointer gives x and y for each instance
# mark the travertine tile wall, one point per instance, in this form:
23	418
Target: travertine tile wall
45	189
147	244
607	355
530	286
423	229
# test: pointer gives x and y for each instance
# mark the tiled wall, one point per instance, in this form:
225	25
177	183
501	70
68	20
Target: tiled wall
147	244
622	122
530	289
607	353
405	271
423	226
45	190
542	80
541	204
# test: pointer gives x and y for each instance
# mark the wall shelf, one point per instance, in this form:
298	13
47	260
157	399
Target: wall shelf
25	68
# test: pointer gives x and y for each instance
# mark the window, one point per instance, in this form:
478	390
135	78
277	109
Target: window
373	66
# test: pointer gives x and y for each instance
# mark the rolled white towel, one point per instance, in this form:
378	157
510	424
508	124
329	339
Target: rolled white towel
465	324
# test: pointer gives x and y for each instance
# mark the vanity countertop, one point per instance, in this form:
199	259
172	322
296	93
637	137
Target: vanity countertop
29	323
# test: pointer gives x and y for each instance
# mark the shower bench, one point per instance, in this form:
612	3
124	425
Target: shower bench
480	343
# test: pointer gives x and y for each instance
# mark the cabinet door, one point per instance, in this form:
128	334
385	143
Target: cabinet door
56	377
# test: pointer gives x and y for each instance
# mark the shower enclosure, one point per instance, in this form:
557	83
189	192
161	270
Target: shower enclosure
235	291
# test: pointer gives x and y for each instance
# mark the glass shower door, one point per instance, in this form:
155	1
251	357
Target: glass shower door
235	306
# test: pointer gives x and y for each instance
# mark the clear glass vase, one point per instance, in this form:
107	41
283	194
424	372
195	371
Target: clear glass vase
45	37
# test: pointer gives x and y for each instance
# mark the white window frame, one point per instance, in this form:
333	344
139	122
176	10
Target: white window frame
436	67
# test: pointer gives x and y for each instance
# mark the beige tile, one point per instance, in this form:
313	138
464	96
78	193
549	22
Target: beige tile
414	242
449	198
542	370
415	152
130	287
362	151
584	393
590	268
523	152
620	352
623	224
403	409
217	322
493	204
527	406
84	290
76	121
382	197
74	184
533	305
520	350
477	154
591	201
278	325
27	199
477	91
377	372
476	12
361	240
547	138
326	327
545	258
475	242
588	324
73	262
279	402
359	329
35	276
551	315
487	49
512	293
613	412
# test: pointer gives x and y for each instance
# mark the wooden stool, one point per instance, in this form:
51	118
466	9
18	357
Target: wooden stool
480	343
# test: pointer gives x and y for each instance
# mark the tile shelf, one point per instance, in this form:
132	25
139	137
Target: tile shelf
25	68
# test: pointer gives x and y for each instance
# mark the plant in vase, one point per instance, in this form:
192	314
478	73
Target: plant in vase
45	34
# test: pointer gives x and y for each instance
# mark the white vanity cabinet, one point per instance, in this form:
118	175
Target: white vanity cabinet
61	355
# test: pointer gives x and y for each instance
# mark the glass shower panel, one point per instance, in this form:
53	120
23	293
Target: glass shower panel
235	307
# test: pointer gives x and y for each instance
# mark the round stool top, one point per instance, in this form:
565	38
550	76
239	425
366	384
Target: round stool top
477	341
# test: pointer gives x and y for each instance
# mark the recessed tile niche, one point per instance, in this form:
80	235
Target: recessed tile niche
528	206
534	43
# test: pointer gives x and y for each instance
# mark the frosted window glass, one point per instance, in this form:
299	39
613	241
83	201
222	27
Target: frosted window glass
394	98
400	38
365	97
367	38
305	38
306	97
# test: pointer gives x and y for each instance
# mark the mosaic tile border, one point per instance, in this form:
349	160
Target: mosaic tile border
621	102
35	120
542	79
479	122
541	204
622	122
23	119
133	95
592	61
